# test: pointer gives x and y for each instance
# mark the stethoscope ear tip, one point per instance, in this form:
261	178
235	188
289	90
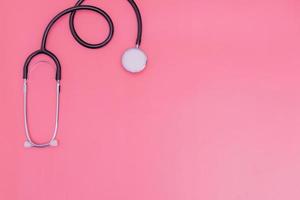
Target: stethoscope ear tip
134	60
53	143
27	144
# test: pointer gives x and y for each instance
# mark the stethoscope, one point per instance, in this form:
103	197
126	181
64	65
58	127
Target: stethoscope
133	60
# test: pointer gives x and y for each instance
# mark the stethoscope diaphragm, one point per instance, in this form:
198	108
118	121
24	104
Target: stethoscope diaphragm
134	60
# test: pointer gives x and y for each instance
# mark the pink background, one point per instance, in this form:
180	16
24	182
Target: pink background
215	116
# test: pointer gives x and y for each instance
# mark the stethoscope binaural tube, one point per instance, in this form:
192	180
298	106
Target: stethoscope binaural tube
133	60
52	142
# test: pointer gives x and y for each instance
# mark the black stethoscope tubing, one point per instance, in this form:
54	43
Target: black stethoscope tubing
72	10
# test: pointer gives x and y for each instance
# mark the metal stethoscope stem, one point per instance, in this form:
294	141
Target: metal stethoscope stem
29	142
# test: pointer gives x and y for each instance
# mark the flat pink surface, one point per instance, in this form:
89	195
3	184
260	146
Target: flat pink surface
215	116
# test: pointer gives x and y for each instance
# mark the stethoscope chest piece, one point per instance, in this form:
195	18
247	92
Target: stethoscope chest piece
134	60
